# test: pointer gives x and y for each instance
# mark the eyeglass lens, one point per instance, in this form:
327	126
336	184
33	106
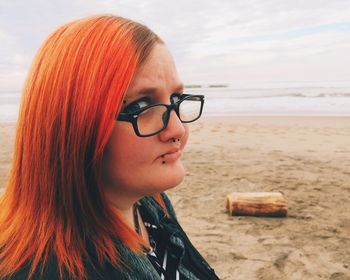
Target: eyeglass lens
153	119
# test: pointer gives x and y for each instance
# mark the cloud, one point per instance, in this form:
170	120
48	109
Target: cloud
312	57
210	40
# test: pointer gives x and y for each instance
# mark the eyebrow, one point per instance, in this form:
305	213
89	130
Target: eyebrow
150	90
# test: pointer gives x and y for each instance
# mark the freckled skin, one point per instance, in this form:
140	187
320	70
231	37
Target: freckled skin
133	166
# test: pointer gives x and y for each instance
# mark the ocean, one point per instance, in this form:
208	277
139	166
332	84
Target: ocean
248	99
275	98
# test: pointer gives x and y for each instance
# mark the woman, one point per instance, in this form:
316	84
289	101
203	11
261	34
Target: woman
102	125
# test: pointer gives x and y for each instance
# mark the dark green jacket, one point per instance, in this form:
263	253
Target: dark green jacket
191	264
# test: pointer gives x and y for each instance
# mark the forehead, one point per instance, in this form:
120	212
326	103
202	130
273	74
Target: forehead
158	71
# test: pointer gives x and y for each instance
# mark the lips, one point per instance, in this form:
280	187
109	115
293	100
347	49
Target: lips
171	155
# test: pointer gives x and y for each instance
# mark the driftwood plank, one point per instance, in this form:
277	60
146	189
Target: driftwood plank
268	204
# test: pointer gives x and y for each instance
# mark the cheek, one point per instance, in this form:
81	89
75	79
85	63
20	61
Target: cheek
129	157
131	164
125	154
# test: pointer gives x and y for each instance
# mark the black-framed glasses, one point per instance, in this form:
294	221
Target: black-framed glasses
153	119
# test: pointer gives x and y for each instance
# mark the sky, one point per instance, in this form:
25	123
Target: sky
223	41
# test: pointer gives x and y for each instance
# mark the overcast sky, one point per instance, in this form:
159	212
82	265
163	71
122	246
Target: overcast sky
212	41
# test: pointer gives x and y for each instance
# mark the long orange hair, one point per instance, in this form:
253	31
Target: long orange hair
54	200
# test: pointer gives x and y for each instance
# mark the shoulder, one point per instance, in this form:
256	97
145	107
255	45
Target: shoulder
50	272
93	270
152	207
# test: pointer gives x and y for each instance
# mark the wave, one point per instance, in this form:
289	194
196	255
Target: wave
299	94
261	95
308	95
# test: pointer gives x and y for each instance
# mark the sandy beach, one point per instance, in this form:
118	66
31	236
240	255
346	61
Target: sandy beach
305	158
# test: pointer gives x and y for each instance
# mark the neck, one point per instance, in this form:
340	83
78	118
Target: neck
125	206
128	215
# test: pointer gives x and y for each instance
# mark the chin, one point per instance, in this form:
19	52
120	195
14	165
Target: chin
170	177
173	183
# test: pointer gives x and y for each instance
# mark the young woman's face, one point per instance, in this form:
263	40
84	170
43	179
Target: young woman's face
137	166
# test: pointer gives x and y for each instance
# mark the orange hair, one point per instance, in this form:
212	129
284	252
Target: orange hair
54	200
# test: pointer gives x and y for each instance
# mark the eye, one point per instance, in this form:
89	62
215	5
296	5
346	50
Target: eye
175	97
137	105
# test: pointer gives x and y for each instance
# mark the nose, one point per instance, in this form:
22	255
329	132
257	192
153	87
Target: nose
175	129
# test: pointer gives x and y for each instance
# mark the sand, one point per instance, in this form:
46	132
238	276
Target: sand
305	158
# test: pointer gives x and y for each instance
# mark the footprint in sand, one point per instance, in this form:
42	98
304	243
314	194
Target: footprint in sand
339	276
